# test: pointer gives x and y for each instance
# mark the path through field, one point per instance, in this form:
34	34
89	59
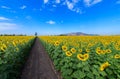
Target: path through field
38	65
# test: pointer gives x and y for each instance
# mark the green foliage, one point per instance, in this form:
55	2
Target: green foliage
73	68
12	60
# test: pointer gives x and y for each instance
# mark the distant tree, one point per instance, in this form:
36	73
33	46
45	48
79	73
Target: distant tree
35	33
62	35
13	34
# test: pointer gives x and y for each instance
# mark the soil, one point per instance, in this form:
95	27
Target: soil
39	65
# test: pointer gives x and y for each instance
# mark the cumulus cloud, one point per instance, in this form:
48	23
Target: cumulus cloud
23	7
96	1
70	5
50	22
7	26
45	1
73	5
5	7
3	18
91	2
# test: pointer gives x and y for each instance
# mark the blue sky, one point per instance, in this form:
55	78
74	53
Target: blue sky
59	16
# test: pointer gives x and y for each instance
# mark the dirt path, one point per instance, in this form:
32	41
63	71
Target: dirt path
38	65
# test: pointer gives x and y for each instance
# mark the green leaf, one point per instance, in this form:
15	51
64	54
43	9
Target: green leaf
82	74
79	65
86	68
99	77
78	74
103	73
112	77
109	71
66	72
90	75
55	62
95	72
67	77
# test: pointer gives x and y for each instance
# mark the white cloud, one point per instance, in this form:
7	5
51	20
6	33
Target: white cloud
45	1
50	22
69	5
96	1
23	7
91	2
87	2
118	2
3	18
57	1
5	7
72	6
7	26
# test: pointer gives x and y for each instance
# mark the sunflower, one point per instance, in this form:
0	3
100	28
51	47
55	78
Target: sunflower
57	43
68	53
4	46
89	45
17	49
73	50
86	56
108	51
98	48
2	49
104	66
104	51
87	50
64	48
80	57
83	57
98	51
117	56
117	48
14	43
80	50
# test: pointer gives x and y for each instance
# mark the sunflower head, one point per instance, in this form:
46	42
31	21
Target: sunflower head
83	57
99	51
86	56
80	57
108	51
14	43
73	50
98	48
2	49
64	48
4	46
117	56
104	66
87	50
80	50
56	43
68	53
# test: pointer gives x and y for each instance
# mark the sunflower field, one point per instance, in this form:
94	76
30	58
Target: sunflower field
84	57
13	51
